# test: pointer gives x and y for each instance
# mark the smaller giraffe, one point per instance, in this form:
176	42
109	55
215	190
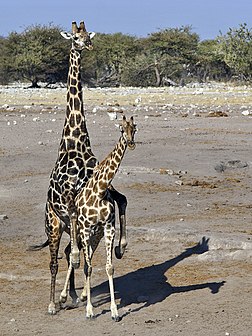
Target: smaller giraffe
96	216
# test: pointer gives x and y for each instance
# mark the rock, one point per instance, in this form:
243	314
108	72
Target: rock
246	113
220	168
217	114
112	115
231	164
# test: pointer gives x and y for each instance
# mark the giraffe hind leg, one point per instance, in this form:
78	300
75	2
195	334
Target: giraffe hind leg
109	239
94	242
75	253
54	233
88	272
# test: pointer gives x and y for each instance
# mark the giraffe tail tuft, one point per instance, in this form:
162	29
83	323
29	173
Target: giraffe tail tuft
119	251
38	247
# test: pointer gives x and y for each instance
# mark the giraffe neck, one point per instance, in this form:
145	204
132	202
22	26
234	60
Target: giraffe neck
106	170
75	128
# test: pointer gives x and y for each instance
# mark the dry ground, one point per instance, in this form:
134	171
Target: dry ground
188	184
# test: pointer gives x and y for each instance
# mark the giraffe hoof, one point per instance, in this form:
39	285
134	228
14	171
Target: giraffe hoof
63	298
76	301
83	298
52	309
116	318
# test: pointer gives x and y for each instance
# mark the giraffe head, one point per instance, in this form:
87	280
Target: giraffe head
128	130
81	39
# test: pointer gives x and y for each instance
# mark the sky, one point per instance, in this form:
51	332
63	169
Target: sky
134	17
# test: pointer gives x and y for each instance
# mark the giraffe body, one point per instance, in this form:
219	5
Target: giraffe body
74	165
72	169
96	215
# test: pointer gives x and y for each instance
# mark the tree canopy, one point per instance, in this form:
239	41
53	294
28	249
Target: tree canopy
37	54
236	50
172	56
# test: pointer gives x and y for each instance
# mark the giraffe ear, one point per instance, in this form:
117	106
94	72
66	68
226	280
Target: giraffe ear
91	35
66	35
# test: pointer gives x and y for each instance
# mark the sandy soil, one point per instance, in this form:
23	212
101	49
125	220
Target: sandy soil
188	269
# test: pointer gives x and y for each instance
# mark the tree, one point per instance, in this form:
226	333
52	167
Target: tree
5	74
210	64
104	65
236	50
166	56
39	53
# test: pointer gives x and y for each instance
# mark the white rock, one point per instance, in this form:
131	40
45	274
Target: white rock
246	112
138	100
112	115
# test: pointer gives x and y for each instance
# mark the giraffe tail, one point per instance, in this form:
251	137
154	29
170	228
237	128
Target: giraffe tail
38	247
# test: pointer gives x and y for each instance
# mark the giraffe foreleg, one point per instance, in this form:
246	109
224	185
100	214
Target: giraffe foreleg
109	239
87	272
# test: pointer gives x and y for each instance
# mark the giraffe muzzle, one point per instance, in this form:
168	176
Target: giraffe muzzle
131	145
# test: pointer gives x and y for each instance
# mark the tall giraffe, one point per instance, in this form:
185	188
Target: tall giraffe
96	215
72	169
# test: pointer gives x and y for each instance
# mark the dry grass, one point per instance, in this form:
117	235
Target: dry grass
224	95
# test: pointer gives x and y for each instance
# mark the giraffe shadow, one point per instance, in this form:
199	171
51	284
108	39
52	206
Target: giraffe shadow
148	286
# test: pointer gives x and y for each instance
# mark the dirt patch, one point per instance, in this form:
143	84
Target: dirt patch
187	269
